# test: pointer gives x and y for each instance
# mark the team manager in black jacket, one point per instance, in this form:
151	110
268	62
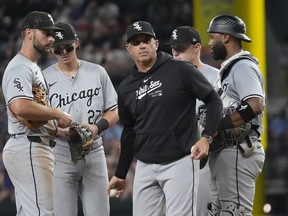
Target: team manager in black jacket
156	105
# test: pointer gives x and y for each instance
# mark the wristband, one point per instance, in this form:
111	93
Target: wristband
246	112
225	123
102	125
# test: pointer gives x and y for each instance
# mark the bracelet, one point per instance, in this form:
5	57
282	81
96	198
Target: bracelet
102	125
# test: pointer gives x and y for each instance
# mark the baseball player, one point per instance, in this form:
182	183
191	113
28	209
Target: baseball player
85	91
28	155
237	155
157	110
185	42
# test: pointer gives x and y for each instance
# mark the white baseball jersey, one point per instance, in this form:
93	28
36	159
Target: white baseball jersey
249	84
29	163
233	173
85	97
20	76
212	75
203	195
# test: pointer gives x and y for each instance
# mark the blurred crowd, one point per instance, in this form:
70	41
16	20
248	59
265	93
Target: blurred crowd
276	170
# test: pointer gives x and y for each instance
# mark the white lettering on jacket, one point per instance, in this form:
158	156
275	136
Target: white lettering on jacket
146	89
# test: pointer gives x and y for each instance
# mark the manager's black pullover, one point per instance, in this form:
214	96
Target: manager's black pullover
157	111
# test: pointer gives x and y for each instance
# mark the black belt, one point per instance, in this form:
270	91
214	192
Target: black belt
219	144
36	139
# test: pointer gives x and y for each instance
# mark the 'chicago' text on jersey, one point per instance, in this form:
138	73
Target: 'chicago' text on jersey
149	89
64	100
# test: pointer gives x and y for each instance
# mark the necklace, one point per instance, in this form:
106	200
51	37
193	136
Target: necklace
70	73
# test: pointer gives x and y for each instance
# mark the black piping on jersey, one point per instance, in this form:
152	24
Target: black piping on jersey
237	182
111	108
20	96
34	179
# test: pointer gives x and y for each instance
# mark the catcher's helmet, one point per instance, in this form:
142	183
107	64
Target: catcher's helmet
231	25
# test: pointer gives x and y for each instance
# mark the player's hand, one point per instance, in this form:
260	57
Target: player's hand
200	150
93	128
117	183
63	133
64	119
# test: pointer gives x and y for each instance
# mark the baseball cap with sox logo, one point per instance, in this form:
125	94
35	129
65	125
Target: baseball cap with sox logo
68	36
184	35
39	20
139	27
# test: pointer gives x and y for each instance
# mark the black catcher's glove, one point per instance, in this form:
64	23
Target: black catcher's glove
81	142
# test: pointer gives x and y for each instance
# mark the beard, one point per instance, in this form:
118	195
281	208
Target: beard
40	49
219	51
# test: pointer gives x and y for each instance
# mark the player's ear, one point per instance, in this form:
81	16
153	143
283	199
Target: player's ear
197	46
226	38
28	33
128	48
77	42
156	44
77	45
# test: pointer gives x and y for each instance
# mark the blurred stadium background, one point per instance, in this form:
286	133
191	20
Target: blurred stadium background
101	26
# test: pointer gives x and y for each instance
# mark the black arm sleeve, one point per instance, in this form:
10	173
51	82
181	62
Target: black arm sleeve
214	112
127	152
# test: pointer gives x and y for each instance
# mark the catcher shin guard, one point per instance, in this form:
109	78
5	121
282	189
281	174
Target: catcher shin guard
230	208
213	209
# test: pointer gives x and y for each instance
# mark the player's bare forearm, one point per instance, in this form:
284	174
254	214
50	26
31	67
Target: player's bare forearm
31	110
111	116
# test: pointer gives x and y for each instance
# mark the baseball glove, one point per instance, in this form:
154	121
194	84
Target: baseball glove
81	142
39	96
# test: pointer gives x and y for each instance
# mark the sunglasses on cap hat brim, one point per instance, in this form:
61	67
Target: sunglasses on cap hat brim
59	49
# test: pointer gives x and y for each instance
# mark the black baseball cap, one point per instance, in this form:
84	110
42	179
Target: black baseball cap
67	36
139	27
184	35
39	20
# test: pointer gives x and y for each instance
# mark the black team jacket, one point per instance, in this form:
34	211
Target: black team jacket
157	111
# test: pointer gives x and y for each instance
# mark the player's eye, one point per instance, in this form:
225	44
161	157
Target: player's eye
58	50
137	41
48	33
